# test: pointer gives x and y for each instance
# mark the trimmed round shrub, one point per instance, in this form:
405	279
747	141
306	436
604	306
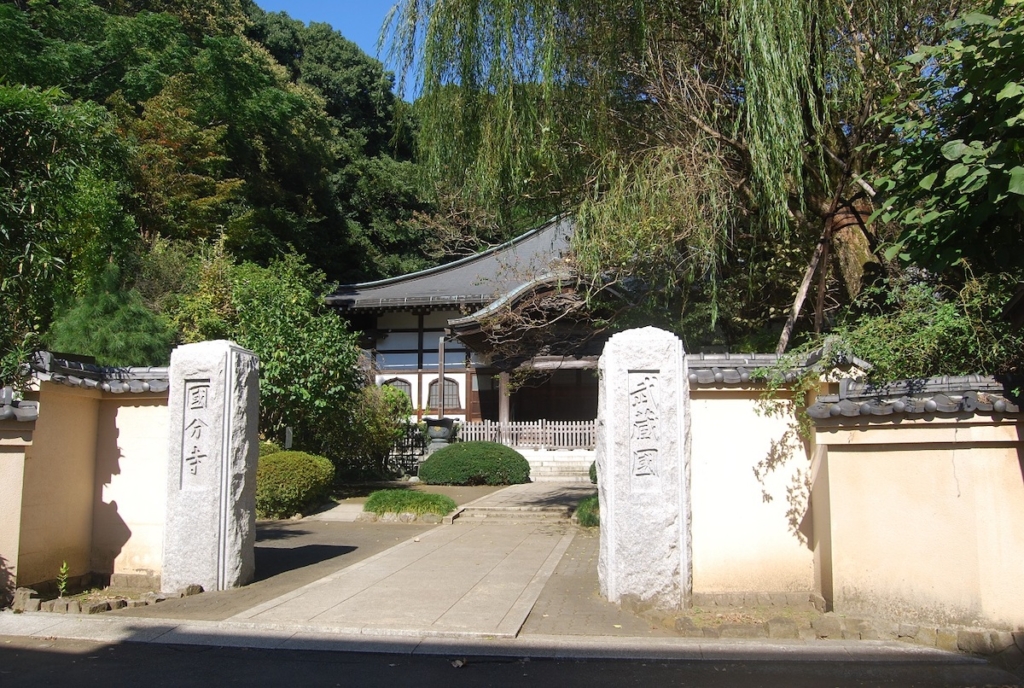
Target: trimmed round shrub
267	448
475	463
289	482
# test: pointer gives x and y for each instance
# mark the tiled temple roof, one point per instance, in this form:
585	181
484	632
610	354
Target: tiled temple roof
726	369
739	369
76	372
473	281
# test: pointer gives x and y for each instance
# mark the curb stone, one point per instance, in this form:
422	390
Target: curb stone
393	517
27	600
1005	648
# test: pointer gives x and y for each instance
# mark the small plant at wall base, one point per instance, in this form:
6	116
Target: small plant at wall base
62	579
408	501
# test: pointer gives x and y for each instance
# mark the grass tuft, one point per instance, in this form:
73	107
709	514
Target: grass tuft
588	512
408	501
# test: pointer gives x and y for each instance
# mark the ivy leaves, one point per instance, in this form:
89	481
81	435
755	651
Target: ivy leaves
955	177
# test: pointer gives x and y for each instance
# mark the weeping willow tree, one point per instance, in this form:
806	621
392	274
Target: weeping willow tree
683	133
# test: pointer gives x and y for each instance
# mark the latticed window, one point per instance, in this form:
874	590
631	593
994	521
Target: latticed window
401	385
451	394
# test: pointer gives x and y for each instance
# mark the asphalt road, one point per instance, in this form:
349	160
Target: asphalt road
57	663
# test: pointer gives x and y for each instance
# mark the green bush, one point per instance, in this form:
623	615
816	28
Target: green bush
588	512
267	448
593	472
408	501
288	482
379	420
475	463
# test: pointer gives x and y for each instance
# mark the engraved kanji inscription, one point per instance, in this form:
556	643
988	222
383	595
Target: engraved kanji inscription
197	395
645	462
195	436
193	458
195	429
645	422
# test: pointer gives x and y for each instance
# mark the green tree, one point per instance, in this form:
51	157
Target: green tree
676	127
955	177
308	358
61	216
113	325
309	373
378	422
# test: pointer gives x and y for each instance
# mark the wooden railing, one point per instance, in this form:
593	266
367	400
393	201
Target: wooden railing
541	434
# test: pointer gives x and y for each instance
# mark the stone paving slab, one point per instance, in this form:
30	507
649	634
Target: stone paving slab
474	580
571	602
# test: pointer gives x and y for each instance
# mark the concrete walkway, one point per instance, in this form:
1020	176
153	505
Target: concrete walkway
479	580
466	588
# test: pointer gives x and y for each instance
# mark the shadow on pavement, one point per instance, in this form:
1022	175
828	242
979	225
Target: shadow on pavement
271	561
278	530
192	657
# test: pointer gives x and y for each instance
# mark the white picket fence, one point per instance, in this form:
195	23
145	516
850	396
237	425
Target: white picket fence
541	434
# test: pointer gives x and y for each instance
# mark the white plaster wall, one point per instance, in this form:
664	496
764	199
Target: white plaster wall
740	542
131	484
14	438
57	498
930	531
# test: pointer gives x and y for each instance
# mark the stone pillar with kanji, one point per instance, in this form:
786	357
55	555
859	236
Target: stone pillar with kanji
210	528
643	468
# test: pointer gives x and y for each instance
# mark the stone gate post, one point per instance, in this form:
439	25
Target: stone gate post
643	467
210	530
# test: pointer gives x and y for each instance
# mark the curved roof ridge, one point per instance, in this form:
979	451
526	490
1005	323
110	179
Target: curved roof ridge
479	278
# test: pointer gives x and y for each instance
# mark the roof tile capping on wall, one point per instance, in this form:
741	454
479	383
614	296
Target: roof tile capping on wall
76	372
960	394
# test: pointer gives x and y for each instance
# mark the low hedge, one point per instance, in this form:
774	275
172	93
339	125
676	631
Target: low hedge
289	482
408	501
475	463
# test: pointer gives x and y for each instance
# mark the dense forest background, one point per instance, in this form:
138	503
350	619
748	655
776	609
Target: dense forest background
750	175
174	171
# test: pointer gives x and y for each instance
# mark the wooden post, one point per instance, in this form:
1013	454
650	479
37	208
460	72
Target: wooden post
440	377
503	414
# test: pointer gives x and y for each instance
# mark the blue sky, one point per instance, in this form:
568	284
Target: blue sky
357	20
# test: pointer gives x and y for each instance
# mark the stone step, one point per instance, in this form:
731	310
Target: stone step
561	467
543	477
514	514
